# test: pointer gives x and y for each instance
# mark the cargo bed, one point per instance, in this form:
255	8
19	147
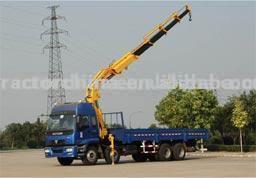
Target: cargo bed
127	136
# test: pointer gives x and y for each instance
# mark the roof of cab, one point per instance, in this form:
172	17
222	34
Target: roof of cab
77	108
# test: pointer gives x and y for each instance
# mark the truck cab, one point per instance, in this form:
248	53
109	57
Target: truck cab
70	128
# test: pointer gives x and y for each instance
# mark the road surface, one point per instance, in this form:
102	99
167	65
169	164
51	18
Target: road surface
33	164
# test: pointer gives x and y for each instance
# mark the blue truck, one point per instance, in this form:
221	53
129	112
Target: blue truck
73	133
81	131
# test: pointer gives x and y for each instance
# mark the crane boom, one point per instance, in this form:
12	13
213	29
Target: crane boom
118	66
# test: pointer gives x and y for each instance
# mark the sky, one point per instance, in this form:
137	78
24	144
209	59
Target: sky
220	40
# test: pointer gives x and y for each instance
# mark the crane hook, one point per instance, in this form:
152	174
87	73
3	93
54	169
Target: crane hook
190	16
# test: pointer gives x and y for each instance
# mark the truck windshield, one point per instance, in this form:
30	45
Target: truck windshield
61	122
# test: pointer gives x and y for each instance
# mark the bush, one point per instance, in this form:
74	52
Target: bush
216	138
232	148
250	138
228	140
32	144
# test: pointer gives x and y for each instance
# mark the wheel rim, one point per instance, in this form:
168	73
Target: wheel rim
91	156
182	152
167	153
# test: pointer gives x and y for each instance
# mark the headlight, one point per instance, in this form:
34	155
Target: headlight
47	150
69	149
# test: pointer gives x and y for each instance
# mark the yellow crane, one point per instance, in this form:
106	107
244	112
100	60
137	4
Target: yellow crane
121	64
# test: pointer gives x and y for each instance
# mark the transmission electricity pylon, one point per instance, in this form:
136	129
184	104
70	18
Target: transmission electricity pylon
56	92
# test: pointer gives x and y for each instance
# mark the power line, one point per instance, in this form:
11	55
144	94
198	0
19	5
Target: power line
23	10
19	50
19	36
81	61
80	52
18	24
99	43
15	40
96	53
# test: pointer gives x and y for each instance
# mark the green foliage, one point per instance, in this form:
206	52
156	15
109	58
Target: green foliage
153	126
223	117
251	138
222	123
231	148
239	116
26	135
216	138
32	144
187	108
115	126
249	103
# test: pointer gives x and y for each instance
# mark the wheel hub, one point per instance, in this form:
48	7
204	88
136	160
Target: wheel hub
182	151
91	155
167	153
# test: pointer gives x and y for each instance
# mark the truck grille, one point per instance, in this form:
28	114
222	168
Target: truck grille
57	150
57	143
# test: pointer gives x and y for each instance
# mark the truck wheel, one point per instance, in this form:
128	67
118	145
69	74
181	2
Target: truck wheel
179	151
164	152
139	157
65	161
91	156
108	157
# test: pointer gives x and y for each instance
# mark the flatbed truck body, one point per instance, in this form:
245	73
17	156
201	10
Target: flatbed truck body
73	130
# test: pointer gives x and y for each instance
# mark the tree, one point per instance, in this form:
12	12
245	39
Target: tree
116	126
24	135
249	103
14	133
153	126
222	123
240	119
170	111
223	116
187	108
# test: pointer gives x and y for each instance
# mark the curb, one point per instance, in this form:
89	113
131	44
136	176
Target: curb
21	150
223	155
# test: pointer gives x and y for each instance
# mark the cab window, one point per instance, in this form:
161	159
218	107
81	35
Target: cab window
83	123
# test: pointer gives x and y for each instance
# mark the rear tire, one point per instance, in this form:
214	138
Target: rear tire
108	157
91	156
179	151
139	157
65	161
164	152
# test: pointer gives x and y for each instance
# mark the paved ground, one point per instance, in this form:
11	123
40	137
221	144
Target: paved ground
33	163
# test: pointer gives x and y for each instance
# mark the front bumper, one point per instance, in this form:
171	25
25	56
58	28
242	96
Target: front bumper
61	151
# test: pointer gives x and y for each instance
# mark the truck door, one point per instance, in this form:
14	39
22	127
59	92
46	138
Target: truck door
88	129
94	131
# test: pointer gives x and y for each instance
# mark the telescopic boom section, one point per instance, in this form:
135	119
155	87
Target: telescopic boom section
118	66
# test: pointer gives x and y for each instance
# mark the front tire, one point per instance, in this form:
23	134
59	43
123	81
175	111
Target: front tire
65	161
91	156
